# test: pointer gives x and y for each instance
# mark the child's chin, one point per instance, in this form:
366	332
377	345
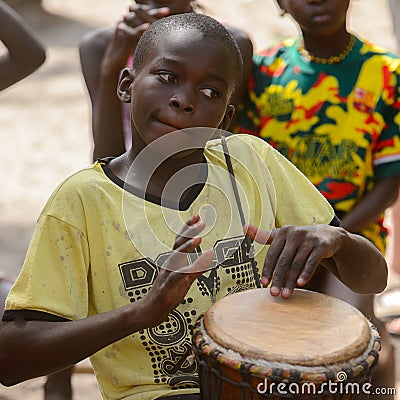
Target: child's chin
179	143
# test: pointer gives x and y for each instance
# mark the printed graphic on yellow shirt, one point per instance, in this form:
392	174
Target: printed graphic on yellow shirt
168	345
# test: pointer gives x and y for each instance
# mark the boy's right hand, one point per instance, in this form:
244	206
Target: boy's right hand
127	34
175	277
294	254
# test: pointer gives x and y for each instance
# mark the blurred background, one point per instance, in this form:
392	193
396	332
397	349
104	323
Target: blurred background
44	119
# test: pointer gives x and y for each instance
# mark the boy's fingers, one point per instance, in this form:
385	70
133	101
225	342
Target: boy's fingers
193	220
270	264
278	263
178	258
298	265
186	241
188	245
202	264
188	232
259	235
311	265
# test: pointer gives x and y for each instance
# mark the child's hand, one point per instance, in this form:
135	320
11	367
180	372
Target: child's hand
142	14
127	34
294	254
175	276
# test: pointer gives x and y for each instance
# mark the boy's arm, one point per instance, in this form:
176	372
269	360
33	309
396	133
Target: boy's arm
358	264
52	346
48	345
372	205
296	251
25	53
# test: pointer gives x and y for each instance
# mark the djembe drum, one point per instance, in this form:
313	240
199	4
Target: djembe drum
250	345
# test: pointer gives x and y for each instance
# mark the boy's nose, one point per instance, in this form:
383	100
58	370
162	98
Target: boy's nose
181	104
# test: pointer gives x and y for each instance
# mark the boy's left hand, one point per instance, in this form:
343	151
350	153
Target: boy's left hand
294	254
176	276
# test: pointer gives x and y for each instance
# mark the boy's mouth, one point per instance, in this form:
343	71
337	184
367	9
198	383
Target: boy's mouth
169	124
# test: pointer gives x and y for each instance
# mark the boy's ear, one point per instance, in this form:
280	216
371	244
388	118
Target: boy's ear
226	121
124	85
282	9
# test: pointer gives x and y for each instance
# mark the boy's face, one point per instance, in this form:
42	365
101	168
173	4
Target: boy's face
175	6
319	17
185	82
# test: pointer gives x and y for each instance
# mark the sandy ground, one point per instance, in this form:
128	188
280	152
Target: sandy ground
44	120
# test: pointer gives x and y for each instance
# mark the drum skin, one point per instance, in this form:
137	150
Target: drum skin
250	345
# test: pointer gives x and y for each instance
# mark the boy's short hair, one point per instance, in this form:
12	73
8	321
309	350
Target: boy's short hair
209	27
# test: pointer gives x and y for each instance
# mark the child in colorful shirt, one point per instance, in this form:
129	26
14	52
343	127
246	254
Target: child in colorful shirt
330	102
340	129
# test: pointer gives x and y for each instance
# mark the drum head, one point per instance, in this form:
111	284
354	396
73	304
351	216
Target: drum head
310	329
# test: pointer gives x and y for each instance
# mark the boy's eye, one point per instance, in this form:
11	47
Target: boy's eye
210	93
167	77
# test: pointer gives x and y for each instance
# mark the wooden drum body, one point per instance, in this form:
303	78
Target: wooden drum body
251	345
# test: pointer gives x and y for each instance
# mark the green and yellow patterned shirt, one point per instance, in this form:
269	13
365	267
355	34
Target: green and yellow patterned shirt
339	124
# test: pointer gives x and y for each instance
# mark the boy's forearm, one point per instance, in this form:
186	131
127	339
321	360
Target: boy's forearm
358	264
53	346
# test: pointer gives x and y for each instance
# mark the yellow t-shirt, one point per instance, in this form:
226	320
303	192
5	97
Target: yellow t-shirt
98	246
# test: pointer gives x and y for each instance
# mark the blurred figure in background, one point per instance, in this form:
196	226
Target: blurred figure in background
387	304
328	100
25	54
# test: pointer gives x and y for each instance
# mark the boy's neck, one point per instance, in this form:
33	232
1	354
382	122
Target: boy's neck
170	178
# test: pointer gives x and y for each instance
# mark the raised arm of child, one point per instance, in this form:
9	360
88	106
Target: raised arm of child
104	53
24	51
